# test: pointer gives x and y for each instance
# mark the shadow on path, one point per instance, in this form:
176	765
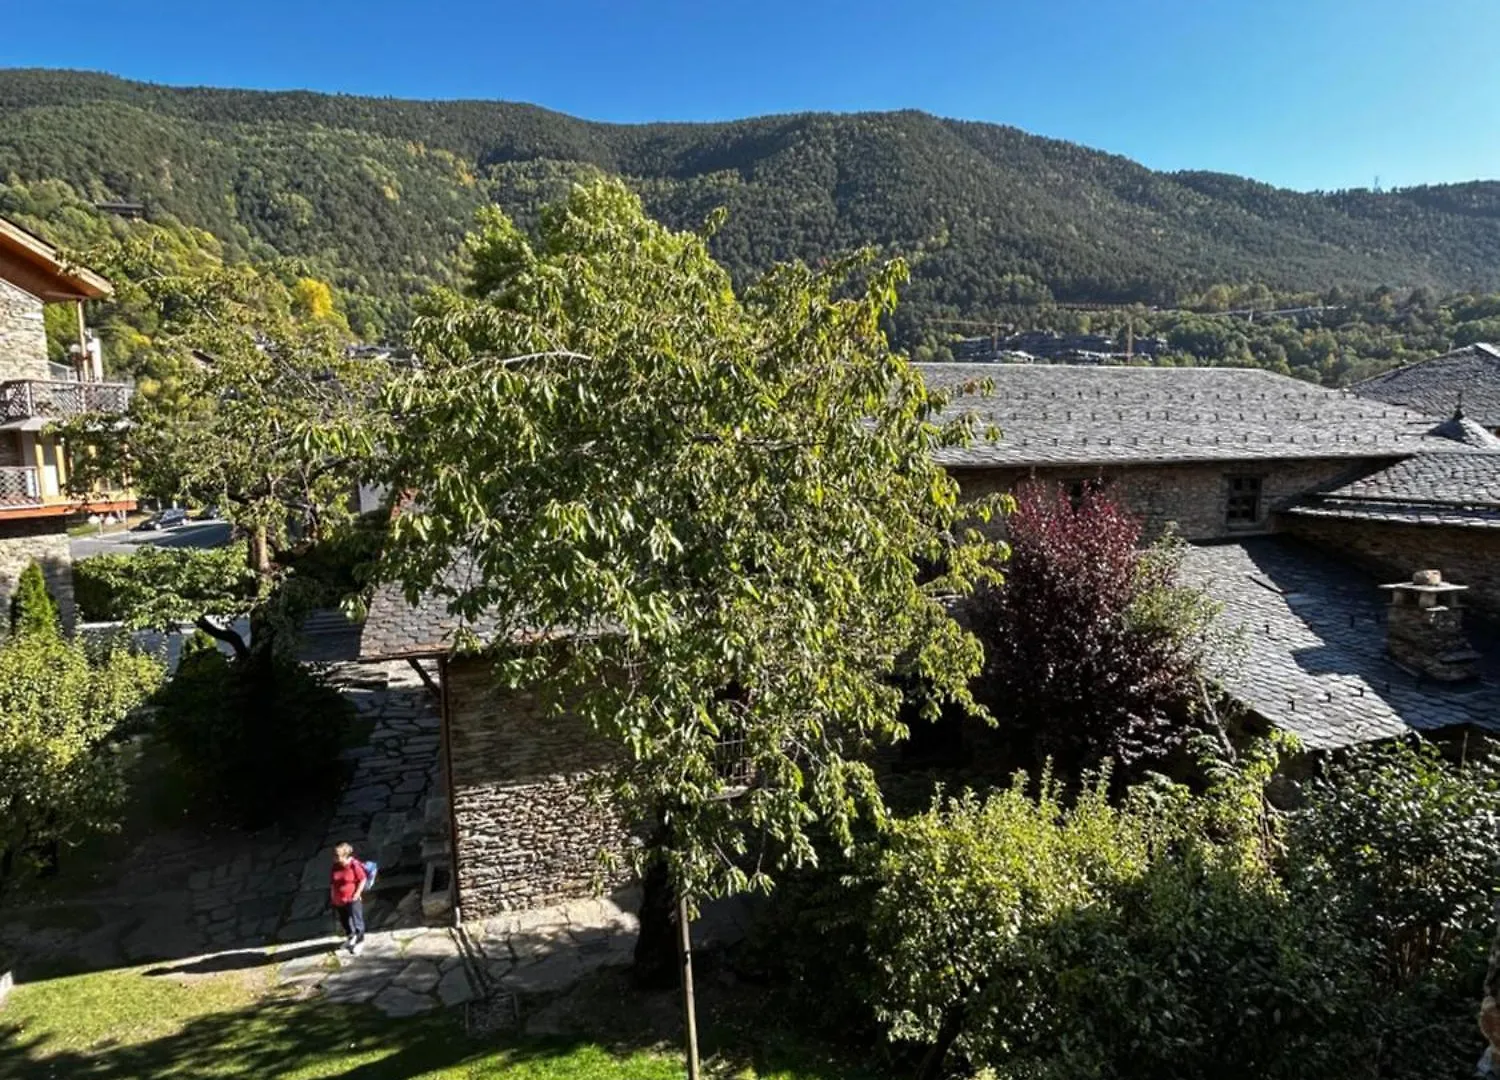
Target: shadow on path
243	959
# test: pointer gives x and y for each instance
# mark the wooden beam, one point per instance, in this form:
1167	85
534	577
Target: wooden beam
33	264
416	665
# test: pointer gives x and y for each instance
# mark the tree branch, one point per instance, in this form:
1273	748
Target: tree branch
224	633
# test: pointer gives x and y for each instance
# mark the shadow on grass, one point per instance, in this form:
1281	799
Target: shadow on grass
616	1032
271	1039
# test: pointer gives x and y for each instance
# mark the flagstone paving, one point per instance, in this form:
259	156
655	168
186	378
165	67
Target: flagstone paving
189	892
221	899
411	970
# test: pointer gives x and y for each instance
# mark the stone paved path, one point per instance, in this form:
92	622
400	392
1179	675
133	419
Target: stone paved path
383	810
411	970
189	892
223	900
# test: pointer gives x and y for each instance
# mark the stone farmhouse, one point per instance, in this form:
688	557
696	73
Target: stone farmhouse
1466	380
35	505
1301	503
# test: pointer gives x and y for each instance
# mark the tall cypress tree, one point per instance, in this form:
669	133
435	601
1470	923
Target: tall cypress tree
32	609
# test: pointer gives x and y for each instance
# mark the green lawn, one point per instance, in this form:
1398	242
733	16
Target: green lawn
115	1025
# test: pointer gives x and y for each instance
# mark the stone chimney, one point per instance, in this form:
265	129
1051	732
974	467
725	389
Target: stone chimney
1424	628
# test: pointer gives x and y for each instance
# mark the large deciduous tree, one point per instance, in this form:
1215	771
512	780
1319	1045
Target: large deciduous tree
250	382
726	508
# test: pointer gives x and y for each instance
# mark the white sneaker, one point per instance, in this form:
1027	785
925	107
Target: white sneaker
357	948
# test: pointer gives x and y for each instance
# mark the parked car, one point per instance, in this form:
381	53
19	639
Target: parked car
163	519
208	513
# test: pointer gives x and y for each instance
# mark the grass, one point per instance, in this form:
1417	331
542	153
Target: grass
130	1023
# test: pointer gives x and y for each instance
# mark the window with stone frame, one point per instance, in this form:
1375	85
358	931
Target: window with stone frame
1242	502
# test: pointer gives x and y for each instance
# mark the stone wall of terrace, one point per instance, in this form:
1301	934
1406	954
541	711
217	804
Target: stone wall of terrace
43	540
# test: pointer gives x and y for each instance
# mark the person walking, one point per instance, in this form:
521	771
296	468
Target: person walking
347	891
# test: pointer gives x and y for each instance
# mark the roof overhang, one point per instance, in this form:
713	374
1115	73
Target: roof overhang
30	263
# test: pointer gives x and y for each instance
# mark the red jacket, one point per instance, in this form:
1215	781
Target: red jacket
346	881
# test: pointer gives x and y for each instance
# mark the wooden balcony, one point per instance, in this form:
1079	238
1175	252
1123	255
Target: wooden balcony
25	492
25	399
20	487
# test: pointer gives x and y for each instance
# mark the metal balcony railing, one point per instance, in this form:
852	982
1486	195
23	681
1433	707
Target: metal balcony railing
21	399
19	486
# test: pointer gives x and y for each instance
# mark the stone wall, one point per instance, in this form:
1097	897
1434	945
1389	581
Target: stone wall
1192	495
529	832
23	336
1392	552
44	540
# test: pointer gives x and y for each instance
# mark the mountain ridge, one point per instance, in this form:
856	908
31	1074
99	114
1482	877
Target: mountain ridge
376	193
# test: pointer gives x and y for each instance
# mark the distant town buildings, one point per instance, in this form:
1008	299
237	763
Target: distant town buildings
1052	347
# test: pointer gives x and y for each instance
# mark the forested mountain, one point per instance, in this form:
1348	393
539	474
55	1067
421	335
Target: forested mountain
373	195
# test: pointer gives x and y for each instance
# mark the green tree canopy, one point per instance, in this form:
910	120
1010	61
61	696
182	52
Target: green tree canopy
242	424
725	510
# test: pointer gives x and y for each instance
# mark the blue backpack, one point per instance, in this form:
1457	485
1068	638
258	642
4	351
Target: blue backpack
372	869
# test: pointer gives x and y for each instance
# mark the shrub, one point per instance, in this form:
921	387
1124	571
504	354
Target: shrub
151	587
1092	647
32	609
1150	939
257	737
1399	849
58	713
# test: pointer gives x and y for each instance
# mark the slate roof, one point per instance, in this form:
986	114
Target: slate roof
1065	414
397	630
1435	385
1460	488
1311	656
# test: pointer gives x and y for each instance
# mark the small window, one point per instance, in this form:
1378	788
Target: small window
1243	504
1078	488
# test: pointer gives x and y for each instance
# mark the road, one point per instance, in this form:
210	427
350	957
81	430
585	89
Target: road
197	534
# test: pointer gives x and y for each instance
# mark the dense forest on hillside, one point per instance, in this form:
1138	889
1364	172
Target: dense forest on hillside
372	195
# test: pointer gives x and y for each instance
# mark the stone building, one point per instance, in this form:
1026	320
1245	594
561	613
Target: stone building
1310	509
35	504
1242	462
526	823
1431	510
1466	378
1216	452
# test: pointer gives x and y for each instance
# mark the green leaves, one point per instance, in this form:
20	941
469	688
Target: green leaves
161	587
58	710
718	505
32	609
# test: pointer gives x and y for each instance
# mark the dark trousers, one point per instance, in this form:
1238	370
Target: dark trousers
352	919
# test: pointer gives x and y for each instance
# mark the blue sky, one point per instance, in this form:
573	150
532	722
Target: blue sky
1309	94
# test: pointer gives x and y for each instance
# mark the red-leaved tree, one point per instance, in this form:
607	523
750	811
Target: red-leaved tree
1092	646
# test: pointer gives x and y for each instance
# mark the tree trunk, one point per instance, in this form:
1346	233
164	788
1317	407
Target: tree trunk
952	1027
260	551
656	947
